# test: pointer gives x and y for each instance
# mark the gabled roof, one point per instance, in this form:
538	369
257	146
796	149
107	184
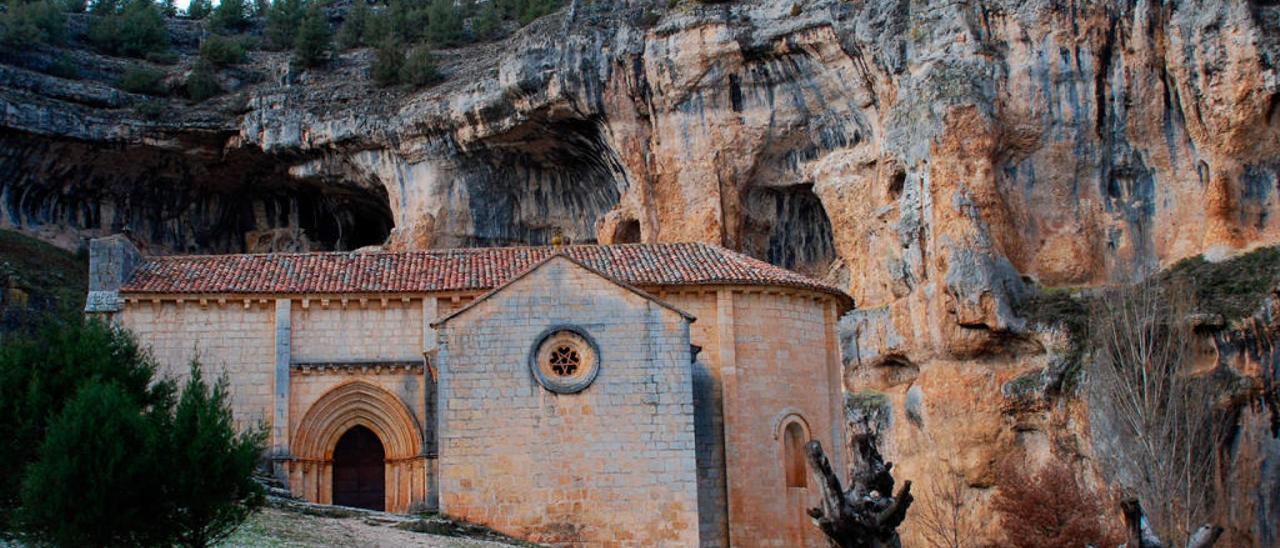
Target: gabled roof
565	257
671	264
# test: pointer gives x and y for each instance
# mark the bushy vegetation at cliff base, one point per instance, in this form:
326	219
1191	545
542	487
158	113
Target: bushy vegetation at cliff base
98	451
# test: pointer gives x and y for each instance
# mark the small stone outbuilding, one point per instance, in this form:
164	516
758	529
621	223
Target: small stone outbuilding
634	395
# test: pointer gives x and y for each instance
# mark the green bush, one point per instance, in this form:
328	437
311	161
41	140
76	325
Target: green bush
351	35
230	16
444	24
222	51
199	9
419	68
387	61
203	437
102	455
96	478
202	84
283	20
162	57
27	23
143	80
313	42
64	67
487	24
150	109
39	373
134	28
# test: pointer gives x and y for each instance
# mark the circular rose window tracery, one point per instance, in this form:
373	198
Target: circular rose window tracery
564	360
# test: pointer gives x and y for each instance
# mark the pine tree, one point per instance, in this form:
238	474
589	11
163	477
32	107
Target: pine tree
203	437
387	61
41	372
282	23
97	480
230	16
312	45
352	33
488	23
134	28
419	68
32	23
444	23
199	9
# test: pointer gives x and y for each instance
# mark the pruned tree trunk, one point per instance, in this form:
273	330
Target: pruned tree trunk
865	516
1141	535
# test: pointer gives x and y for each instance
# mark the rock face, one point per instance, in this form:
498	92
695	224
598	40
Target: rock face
936	158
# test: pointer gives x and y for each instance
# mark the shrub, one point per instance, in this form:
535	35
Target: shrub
27	23
312	45
444	23
230	16
143	80
162	57
203	437
222	51
487	25
41	372
351	35
134	29
102	453
64	67
95	481
282	23
150	109
1051	509
202	83
419	68
387	61
199	9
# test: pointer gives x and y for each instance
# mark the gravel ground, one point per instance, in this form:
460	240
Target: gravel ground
274	527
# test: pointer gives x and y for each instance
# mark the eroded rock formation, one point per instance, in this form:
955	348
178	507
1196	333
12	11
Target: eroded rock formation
939	159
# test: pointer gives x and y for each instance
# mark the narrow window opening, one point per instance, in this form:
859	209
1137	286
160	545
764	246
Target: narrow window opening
793	451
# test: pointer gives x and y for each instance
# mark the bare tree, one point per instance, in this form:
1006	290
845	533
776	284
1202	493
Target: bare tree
1158	417
945	520
867	515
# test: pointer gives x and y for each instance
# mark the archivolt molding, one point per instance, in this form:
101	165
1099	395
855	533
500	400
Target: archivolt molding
357	403
788	416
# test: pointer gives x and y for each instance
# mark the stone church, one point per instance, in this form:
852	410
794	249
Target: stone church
629	395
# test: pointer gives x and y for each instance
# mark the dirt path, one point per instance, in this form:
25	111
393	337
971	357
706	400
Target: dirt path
273	527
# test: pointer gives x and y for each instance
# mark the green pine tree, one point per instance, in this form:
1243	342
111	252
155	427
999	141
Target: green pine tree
230	16
41	372
312	45
30	23
352	33
444	23
203	437
199	9
97	481
283	20
387	61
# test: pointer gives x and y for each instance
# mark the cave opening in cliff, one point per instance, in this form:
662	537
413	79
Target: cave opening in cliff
627	232
788	227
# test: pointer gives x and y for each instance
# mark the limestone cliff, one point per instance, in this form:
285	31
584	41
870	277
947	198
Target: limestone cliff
940	159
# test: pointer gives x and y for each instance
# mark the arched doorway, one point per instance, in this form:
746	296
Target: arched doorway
359	470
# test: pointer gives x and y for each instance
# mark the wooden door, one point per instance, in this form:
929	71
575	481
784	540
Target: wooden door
359	470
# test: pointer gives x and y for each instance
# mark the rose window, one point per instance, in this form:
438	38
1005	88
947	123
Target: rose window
564	360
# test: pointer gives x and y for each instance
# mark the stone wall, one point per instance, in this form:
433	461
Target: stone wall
613	463
358	331
227	338
771	357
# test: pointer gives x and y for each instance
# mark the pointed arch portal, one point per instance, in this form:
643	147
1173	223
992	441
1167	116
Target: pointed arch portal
359	445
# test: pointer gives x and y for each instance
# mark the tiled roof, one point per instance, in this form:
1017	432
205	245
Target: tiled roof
452	270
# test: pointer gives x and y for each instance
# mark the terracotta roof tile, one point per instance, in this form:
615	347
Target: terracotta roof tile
452	270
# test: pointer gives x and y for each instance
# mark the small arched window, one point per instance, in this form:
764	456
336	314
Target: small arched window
793	440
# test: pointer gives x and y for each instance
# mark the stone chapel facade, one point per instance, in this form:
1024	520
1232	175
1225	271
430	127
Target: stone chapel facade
631	395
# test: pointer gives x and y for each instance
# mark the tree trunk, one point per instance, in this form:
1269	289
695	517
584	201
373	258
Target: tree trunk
865	516
1142	536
